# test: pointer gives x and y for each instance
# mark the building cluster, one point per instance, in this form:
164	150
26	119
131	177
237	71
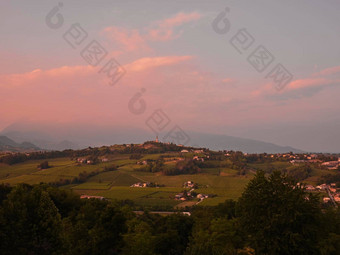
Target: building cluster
333	193
188	195
144	162
332	165
84	161
192	150
89	161
141	185
183	196
90	197
313	158
197	158
189	184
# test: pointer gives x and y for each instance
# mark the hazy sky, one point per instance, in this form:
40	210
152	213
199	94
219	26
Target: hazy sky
203	80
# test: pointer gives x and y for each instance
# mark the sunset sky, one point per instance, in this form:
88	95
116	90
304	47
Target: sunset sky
178	63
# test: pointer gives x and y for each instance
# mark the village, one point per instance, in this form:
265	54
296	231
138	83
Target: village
187	194
332	193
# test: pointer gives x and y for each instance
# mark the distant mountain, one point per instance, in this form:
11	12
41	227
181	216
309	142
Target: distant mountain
7	144
55	137
225	142
37	136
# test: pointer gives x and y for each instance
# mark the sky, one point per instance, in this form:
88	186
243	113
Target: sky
196	62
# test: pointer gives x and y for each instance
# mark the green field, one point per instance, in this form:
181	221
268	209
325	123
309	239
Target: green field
220	181
28	172
116	184
143	196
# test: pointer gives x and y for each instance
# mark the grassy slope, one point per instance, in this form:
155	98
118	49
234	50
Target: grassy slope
223	182
28	172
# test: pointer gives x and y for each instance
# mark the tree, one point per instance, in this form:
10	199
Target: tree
4	191
95	229
44	165
30	223
139	239
218	239
278	216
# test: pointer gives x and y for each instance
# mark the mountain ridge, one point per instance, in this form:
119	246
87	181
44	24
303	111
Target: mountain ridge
7	144
75	137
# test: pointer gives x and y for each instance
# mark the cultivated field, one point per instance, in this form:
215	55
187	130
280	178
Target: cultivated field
116	184
216	180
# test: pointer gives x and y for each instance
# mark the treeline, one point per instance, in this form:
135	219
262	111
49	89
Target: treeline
153	149
273	216
330	178
96	152
186	166
15	158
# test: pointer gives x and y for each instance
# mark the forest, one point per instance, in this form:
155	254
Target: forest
274	215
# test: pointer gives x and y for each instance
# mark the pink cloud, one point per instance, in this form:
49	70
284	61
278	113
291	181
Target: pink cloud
131	40
127	39
180	19
147	63
81	94
184	91
164	30
307	83
328	71
296	85
228	80
34	77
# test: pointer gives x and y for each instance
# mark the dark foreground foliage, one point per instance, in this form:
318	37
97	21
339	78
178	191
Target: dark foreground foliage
273	216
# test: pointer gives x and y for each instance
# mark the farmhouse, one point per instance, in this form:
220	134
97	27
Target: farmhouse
326	199
337	198
202	196
198	158
333	190
140	185
189	184
322	186
180	196
298	161
310	187
81	160
89	197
